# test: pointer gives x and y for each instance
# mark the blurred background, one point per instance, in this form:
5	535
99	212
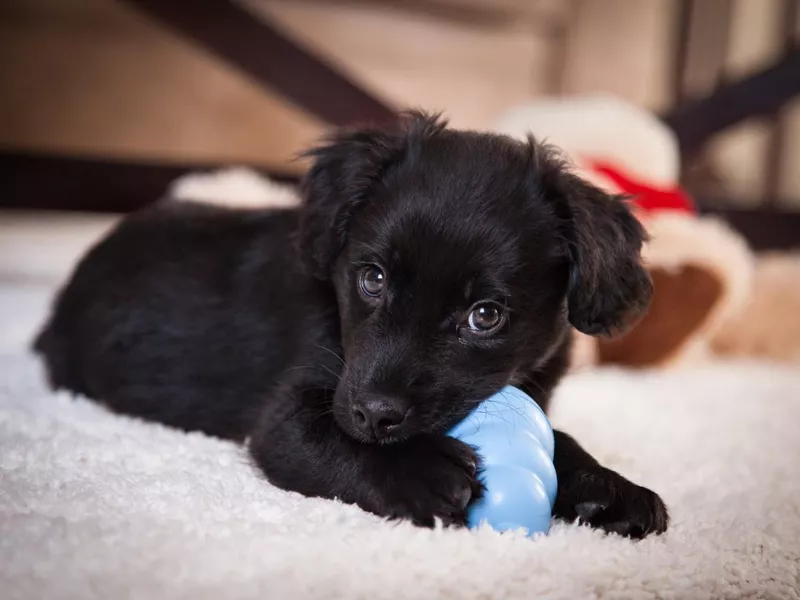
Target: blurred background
212	82
105	103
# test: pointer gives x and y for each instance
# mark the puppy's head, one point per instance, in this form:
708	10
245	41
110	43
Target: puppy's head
459	260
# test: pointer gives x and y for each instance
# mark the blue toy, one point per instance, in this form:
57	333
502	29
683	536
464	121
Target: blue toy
514	439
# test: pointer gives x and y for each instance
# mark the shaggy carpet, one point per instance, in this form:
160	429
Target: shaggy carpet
94	505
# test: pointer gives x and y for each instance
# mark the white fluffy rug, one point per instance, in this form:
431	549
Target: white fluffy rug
94	505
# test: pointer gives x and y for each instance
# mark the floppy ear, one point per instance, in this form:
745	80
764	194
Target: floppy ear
609	287
346	169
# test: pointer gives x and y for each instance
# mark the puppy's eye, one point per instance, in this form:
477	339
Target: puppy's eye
485	318
371	281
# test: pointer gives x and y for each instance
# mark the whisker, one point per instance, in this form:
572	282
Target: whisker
328	369
321	347
324	413
332	372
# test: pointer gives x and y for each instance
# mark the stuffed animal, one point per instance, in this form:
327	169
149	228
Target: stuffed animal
702	270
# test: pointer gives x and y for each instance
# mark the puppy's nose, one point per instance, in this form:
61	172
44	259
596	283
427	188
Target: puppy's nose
379	416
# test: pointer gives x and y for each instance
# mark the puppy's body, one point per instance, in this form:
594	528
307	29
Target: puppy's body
428	269
189	315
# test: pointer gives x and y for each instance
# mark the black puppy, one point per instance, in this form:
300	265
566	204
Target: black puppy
427	269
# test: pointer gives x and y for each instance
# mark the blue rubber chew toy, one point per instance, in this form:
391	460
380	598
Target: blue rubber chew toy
514	439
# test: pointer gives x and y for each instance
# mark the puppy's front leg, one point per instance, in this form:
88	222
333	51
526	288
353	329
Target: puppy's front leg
300	447
601	497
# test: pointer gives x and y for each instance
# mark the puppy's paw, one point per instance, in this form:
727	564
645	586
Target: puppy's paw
604	499
428	477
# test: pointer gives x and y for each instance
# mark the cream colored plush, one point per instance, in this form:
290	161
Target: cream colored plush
234	187
592	126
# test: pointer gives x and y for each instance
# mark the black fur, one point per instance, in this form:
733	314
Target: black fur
258	323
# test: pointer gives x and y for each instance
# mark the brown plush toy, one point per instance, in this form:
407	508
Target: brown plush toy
702	270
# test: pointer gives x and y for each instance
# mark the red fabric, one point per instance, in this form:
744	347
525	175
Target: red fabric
646	198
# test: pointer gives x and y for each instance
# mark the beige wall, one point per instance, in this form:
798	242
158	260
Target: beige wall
624	47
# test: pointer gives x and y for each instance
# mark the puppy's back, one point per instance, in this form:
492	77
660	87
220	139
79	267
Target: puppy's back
166	317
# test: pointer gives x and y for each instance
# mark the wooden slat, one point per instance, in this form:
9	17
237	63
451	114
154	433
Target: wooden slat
765	229
778	144
760	94
275	61
40	181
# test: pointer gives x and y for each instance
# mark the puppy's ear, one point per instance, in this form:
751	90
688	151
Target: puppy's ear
609	287
346	170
